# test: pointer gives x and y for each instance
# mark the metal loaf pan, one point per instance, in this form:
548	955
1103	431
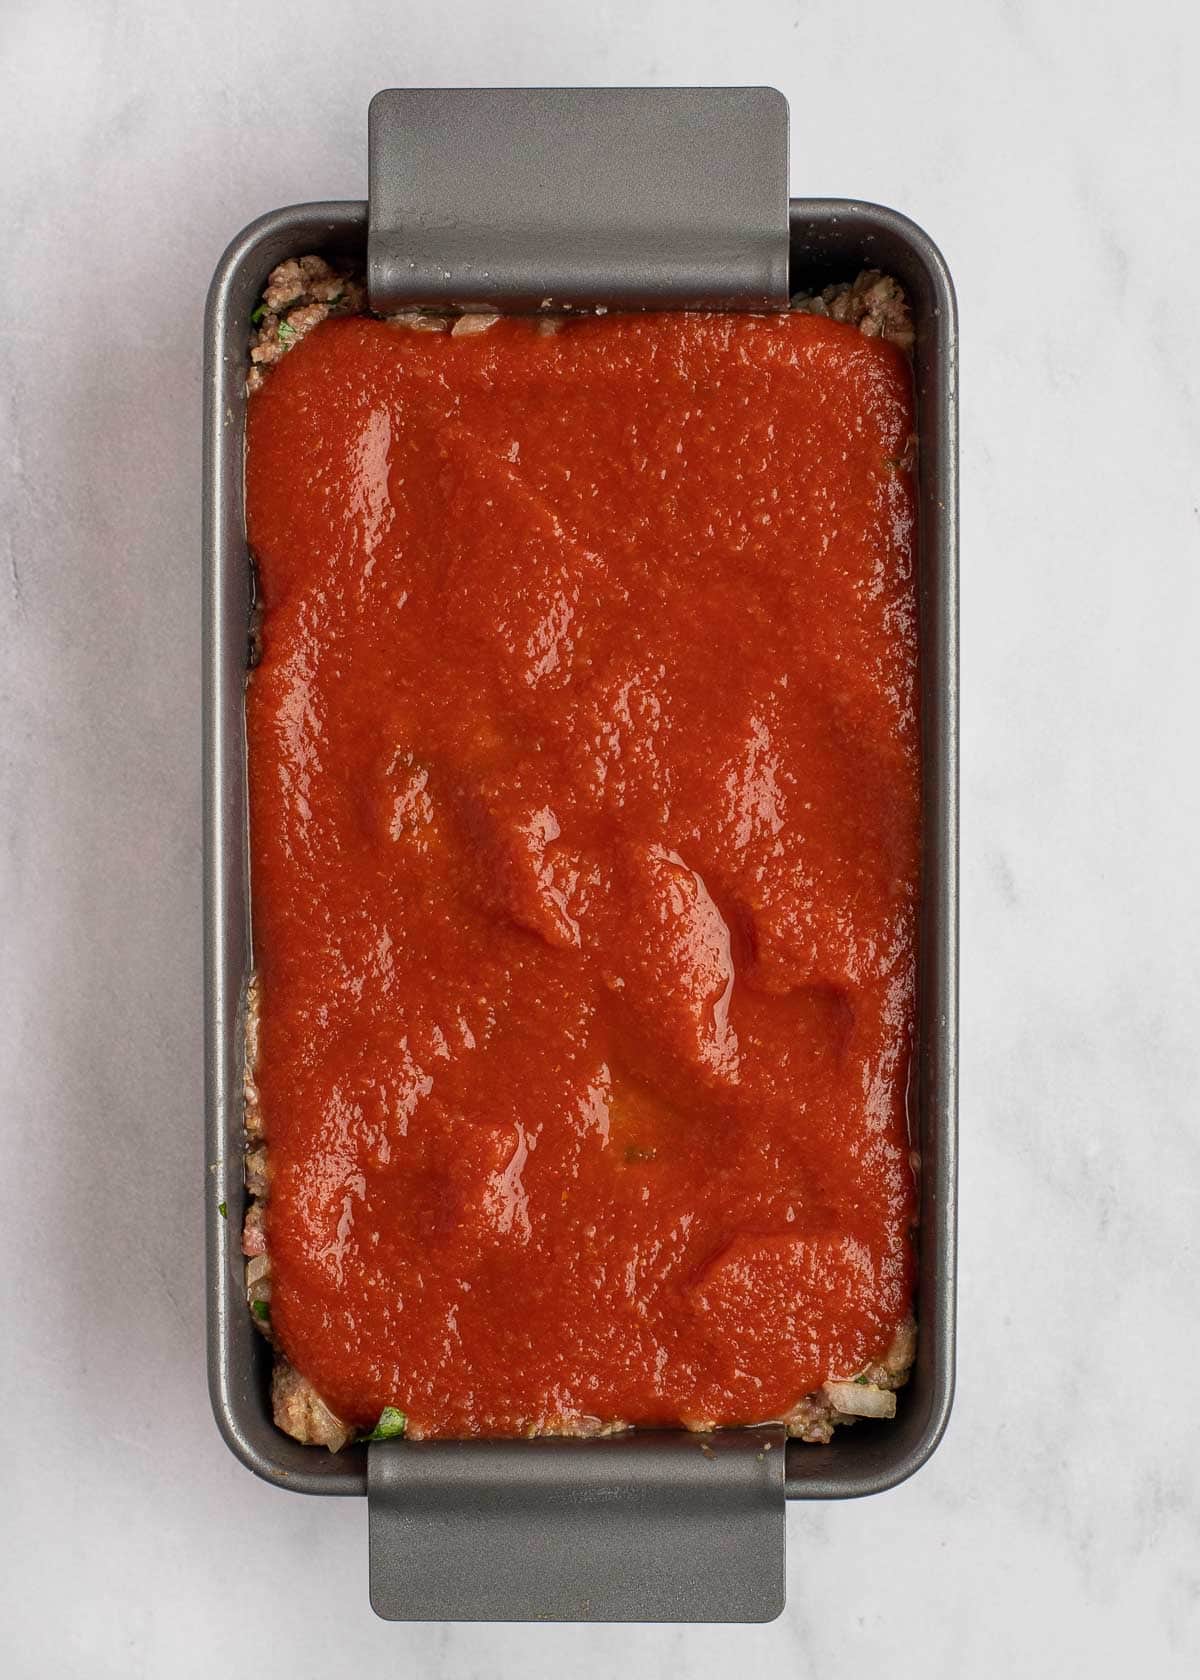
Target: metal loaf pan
830	239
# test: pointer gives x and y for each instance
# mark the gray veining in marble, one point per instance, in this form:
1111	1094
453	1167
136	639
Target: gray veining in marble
1048	147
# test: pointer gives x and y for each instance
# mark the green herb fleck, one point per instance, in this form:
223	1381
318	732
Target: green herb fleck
256	315
287	333
861	1380
261	1310
392	1423
223	1210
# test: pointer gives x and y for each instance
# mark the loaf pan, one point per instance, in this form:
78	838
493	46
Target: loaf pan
829	240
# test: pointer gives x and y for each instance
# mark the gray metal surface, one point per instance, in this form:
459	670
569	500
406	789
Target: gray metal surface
830	239
629	197
655	1526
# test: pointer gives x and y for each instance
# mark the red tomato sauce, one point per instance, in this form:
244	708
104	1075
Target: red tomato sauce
584	784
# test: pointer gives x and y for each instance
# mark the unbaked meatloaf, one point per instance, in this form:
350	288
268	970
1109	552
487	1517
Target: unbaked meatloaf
584	785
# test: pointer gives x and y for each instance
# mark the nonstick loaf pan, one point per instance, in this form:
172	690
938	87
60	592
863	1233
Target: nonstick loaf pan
653	1525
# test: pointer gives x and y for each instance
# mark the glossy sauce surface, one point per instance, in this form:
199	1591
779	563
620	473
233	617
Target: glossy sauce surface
584	789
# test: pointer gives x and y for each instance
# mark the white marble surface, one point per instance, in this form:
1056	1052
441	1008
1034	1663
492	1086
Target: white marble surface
1058	1529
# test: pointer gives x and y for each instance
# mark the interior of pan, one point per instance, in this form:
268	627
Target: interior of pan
831	240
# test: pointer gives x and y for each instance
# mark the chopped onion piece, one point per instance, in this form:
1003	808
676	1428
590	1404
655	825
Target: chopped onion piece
468	324
861	1399
419	320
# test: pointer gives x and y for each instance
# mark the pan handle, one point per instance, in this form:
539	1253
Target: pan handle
522	199
654	1526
